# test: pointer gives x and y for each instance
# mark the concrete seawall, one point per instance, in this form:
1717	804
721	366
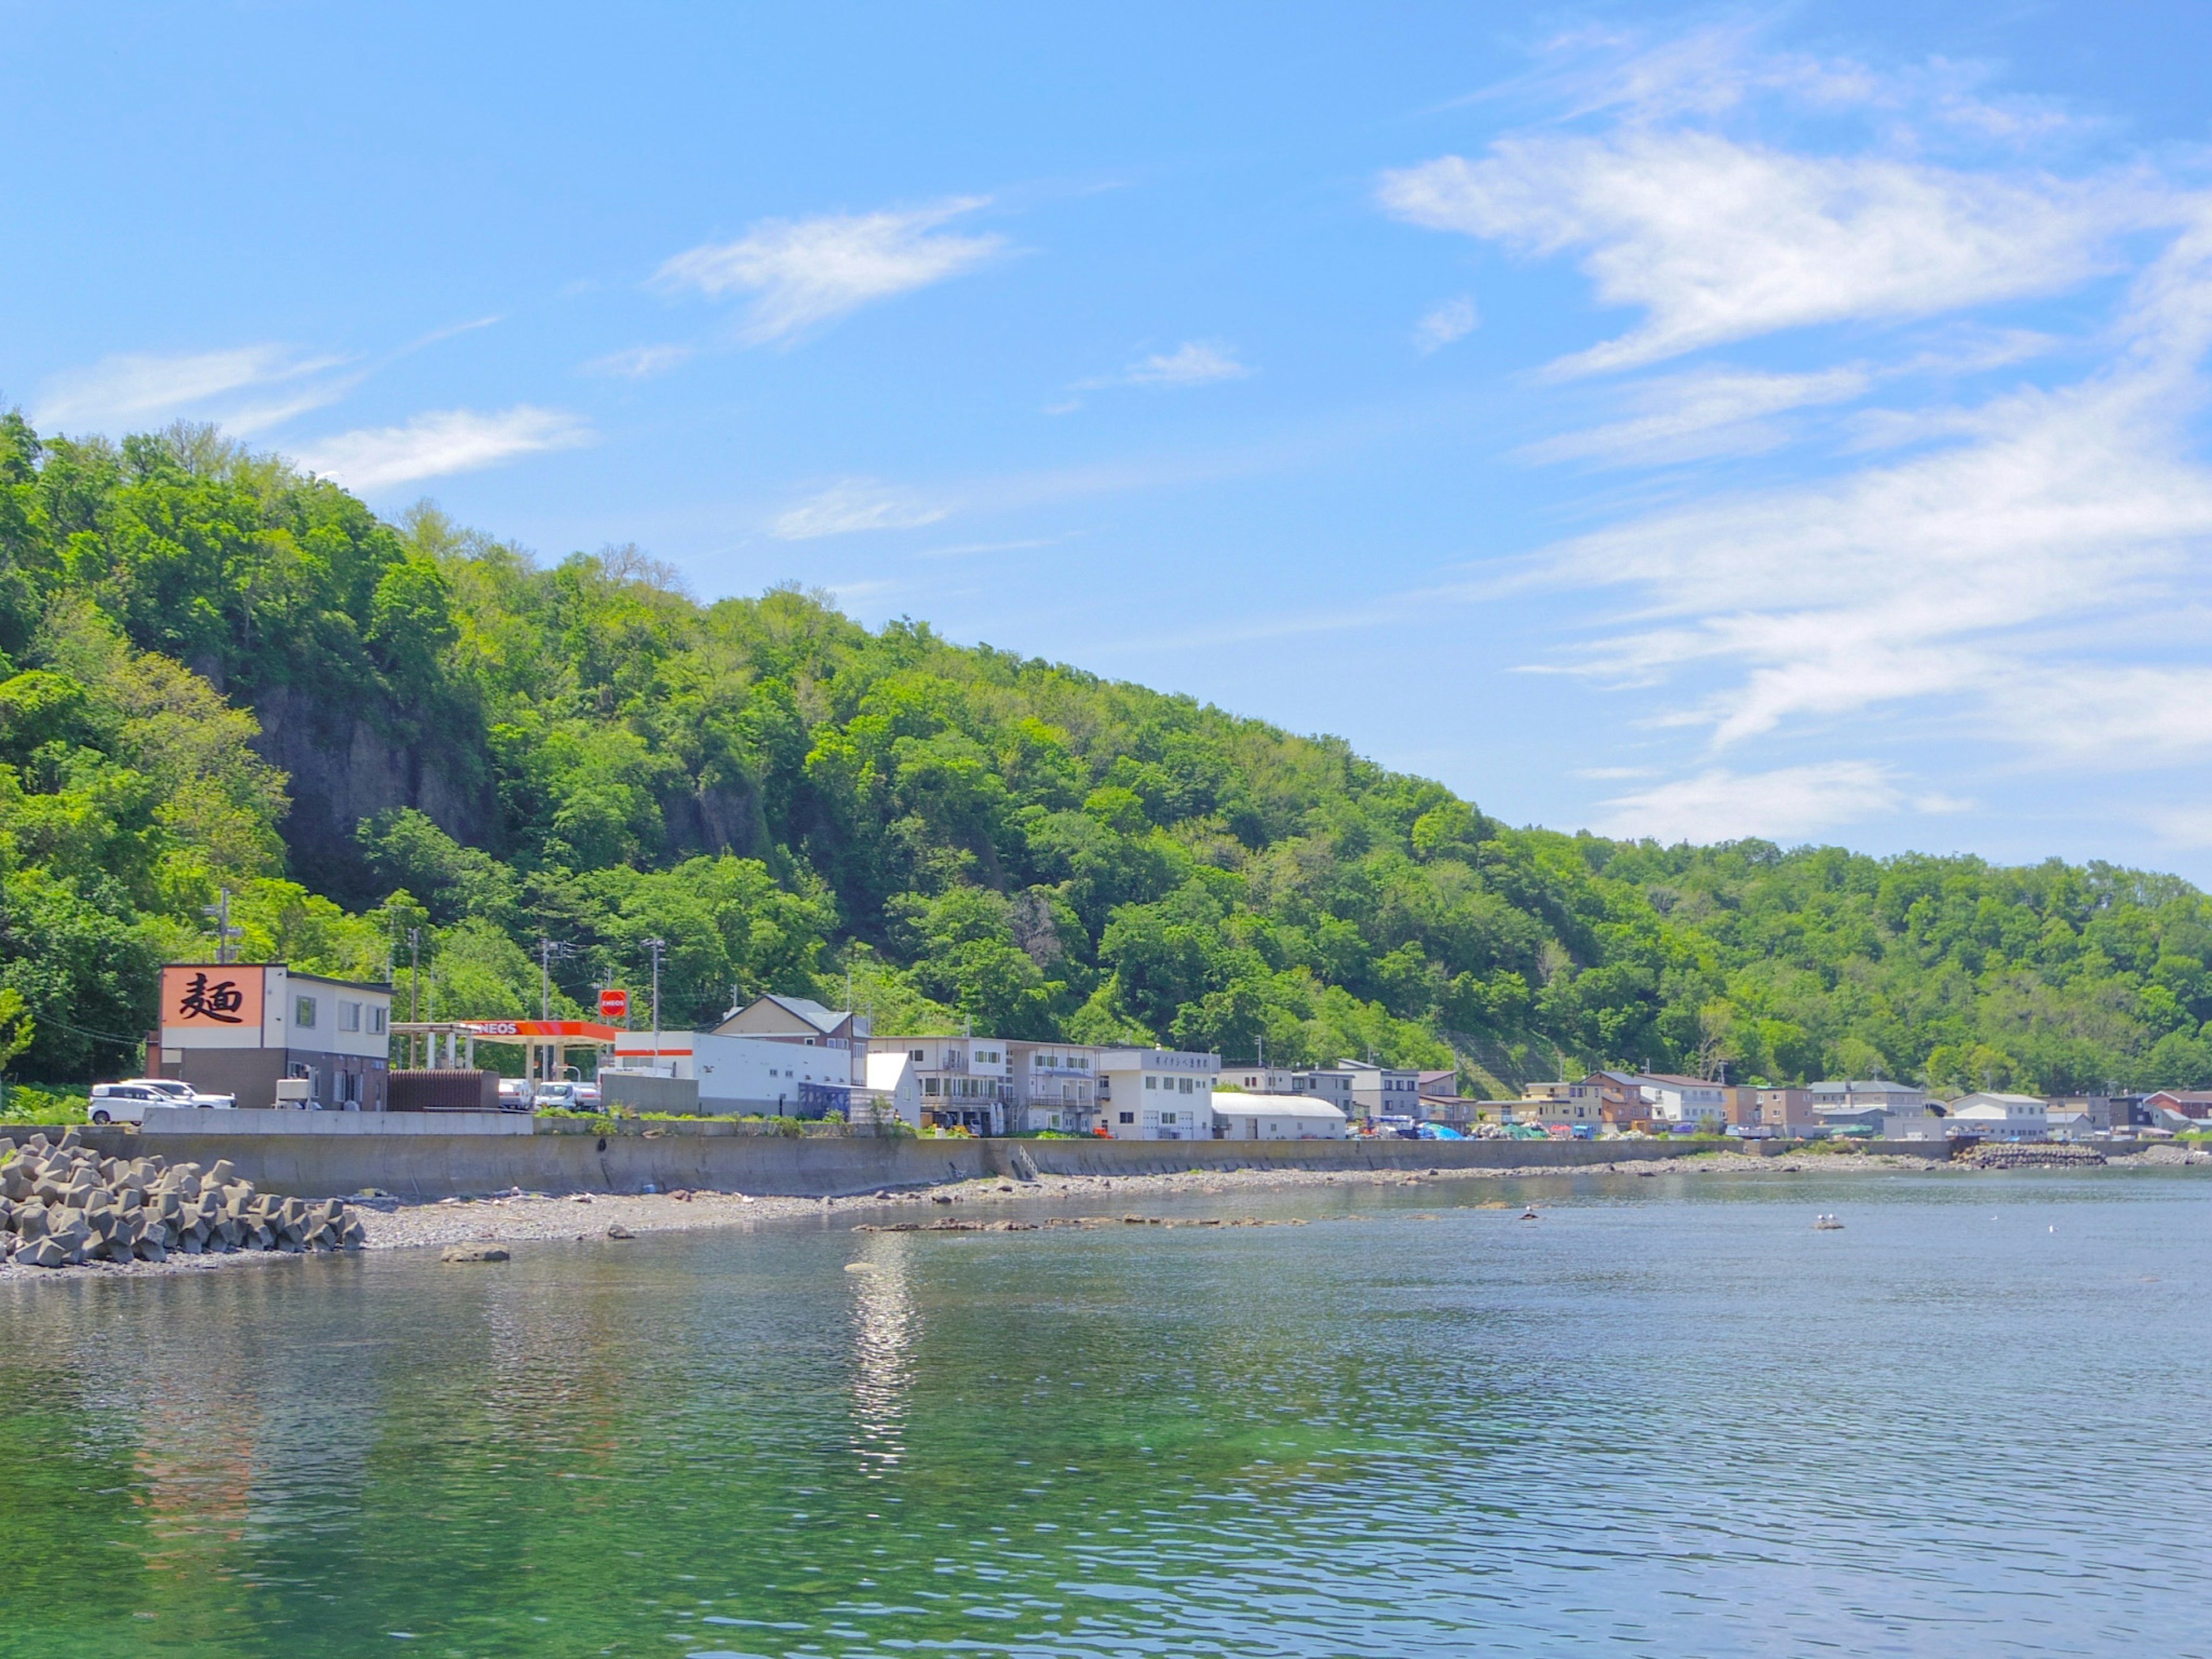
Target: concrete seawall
426	1166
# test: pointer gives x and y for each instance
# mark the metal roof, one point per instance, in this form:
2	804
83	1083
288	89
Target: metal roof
1247	1105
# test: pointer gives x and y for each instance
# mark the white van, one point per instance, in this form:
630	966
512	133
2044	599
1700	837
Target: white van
123	1103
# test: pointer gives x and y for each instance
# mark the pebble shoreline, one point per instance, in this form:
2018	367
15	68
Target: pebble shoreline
515	1217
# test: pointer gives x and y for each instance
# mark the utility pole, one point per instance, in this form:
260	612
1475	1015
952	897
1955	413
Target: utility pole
547	949
414	988
224	932
656	946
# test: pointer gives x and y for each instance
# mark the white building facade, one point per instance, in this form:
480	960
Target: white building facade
964	1080
1999	1116
1156	1094
741	1076
1052	1086
1683	1099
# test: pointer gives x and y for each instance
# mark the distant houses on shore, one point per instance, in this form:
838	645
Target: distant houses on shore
323	1044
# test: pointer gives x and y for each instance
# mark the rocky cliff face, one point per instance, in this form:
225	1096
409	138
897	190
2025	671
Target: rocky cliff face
345	765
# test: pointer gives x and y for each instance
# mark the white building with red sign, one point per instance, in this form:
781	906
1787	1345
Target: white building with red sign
242	1029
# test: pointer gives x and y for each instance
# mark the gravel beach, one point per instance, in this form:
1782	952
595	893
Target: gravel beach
521	1218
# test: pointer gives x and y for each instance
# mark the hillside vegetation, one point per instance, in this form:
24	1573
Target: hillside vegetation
216	671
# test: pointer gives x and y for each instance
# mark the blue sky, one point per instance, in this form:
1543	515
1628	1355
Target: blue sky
1682	422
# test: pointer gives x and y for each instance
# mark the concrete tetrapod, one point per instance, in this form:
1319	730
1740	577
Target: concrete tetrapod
61	1203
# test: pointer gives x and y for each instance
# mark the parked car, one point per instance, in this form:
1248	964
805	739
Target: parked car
176	1092
562	1095
513	1094
122	1102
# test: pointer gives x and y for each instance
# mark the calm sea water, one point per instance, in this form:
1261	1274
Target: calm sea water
1666	1419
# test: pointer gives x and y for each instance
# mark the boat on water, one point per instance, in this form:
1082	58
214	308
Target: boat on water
1827	1223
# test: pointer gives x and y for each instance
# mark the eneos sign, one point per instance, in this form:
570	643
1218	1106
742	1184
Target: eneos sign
614	1005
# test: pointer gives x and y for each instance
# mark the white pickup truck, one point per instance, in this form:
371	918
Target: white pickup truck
126	1102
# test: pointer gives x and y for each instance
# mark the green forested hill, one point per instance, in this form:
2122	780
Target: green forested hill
219	672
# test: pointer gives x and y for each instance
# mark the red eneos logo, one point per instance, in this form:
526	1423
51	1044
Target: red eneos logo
614	1005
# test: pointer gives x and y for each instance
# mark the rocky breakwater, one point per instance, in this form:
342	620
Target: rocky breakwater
63	1204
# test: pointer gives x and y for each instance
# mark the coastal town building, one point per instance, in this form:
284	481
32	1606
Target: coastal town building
1333	1084
709	1071
1381	1092
2195	1104
1275	1117
1925	1122
268	1034
1999	1116
1683	1099
1863	1093
797	1019
964	1080
1156	1094
1785	1112
1617	1090
1255	1079
1052	1086
892	1092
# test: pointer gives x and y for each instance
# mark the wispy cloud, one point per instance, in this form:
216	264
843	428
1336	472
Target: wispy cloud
1195	363
2065	510
1455	319
2014	564
140	389
1787	804
442	442
806	273
1715	240
640	362
852	505
1707	412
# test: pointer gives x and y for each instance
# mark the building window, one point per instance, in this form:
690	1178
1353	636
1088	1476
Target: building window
1167	1117
303	1012
1128	1117
348	1016
1186	1085
916	1054
929	1086
1151	1083
376	1022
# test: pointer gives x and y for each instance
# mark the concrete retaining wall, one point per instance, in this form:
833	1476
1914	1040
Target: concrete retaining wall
445	1166
167	1122
431	1165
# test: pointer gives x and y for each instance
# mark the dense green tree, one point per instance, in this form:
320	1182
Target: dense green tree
578	752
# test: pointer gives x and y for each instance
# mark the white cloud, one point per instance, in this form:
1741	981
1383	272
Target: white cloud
1707	412
809	272
1985	574
1455	319
141	389
1195	363
853	504
442	442
1715	240
1786	805
640	362
2117	719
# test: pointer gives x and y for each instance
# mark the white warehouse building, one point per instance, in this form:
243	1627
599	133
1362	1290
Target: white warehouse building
1276	1118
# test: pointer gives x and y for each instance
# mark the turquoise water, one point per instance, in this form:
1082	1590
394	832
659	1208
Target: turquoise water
1666	1419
